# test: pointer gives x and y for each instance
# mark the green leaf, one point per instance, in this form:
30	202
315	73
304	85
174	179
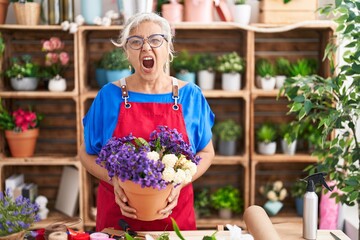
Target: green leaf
347	189
176	229
299	99
356	67
349	28
308	106
353	196
296	107
338	3
302	114
128	237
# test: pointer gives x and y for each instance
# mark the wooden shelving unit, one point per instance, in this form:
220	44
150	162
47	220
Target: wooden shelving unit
250	106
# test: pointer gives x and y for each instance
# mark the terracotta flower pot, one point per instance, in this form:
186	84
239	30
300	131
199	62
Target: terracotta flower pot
14	236
147	201
22	144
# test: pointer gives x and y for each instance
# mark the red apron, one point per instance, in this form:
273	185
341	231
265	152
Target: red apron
141	119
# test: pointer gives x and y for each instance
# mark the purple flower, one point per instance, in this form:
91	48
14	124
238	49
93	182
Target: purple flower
127	159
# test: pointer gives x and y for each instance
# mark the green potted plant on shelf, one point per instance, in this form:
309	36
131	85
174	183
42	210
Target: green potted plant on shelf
282	68
241	12
116	65
266	136
275	193
226	133
333	103
303	67
184	66
265	74
202	203
205	66
288	133
227	200
230	65
16	216
23	73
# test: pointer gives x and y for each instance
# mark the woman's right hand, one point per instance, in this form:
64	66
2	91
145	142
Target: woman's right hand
121	200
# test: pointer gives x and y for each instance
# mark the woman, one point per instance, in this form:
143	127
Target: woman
138	104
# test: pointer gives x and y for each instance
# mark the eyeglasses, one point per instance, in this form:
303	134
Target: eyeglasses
155	41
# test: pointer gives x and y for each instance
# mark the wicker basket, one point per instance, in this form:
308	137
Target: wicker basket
27	13
14	236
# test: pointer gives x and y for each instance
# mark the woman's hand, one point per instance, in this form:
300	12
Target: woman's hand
121	199
172	201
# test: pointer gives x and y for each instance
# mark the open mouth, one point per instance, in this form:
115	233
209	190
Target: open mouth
148	62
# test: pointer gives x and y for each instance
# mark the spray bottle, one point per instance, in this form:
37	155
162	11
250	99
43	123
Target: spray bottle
310	214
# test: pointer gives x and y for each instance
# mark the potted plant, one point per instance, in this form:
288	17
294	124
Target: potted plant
198	11
21	130
274	192
231	65
266	139
227	200
227	132
56	61
27	12
16	216
184	67
202	203
116	65
23	73
303	67
171	10
282	69
241	12
205	65
333	103
288	133
166	156
265	74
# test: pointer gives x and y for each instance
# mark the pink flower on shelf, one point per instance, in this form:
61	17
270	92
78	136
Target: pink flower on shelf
56	59
24	119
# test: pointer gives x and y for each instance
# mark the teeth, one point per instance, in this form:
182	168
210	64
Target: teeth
148	58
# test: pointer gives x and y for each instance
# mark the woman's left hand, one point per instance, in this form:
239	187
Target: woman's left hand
172	201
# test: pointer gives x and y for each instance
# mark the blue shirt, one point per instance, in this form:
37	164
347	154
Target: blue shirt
101	119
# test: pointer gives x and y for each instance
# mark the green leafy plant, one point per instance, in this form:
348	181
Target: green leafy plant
289	131
202	202
114	60
333	103
22	67
282	66
184	62
2	45
227	197
230	63
303	67
266	133
205	61
264	68
239	2
227	130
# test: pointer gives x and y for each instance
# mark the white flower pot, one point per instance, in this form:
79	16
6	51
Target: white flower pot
231	81
280	79
268	83
242	13
24	83
57	84
267	148
225	213
206	79
288	149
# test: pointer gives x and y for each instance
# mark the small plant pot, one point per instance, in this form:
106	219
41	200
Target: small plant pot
24	83
100	76
225	213
279	81
273	207
22	144
231	81
114	75
173	12
267	148
299	204
206	80
288	149
227	148
242	13
186	76
57	84
268	84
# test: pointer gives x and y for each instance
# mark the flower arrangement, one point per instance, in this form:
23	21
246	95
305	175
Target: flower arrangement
165	159
274	191
20	120
16	215
56	59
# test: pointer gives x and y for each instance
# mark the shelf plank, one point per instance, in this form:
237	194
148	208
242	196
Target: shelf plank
230	160
38	94
40	160
301	157
225	94
264	93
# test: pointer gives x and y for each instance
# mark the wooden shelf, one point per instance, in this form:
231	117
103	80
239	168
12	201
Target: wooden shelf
230	160
58	217
300	157
40	160
38	94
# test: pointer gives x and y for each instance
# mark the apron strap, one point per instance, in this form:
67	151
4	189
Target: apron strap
175	93
124	92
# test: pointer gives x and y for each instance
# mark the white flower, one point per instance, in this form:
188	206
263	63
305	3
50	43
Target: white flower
283	194
179	177
169	160
97	21
271	195
79	20
106	21
188	176
168	174
153	155
65	25
112	14
278	186
191	166
73	28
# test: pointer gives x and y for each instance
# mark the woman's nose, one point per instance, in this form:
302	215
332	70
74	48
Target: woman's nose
146	46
